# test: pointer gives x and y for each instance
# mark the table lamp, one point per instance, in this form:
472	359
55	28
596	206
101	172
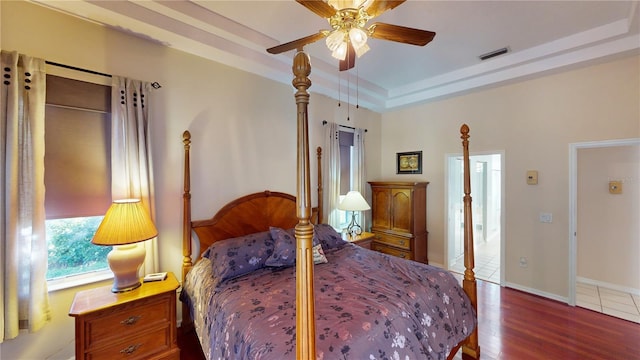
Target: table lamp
125	223
354	202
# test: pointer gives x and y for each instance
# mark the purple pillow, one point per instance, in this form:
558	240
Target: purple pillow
328	236
284	252
234	257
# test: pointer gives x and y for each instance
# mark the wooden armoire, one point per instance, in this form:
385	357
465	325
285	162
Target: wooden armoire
399	219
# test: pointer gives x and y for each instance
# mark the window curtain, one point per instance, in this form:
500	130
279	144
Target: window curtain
23	251
358	173
332	174
131	165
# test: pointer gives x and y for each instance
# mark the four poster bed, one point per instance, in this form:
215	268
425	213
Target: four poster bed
262	251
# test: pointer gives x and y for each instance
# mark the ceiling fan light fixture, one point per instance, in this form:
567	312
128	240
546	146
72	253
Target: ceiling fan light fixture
358	37
335	39
340	52
361	50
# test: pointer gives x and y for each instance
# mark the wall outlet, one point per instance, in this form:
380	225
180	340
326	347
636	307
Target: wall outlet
523	262
546	217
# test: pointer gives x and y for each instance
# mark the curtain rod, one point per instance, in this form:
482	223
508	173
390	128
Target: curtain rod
324	122
77	68
155	84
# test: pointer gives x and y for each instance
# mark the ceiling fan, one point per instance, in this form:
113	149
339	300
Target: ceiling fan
348	35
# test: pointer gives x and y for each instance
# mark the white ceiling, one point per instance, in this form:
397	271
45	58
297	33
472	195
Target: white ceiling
542	36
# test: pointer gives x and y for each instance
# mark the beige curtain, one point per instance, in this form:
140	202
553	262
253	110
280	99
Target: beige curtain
332	174
358	173
131	165
23	248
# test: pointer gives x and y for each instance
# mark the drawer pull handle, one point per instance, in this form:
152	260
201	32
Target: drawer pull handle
130	349
131	320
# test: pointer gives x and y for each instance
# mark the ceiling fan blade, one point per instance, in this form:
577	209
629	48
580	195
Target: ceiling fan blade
296	44
377	7
401	34
350	60
321	8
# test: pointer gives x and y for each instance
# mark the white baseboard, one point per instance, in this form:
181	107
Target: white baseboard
538	292
608	285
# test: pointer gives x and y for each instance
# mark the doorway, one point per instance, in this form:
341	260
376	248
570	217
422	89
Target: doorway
603	268
487	202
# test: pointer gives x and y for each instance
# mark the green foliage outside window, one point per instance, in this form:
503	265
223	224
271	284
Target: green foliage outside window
70	251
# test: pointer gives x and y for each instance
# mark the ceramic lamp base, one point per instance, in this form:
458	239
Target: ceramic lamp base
125	261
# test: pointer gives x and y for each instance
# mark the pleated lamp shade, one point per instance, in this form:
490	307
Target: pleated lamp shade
125	223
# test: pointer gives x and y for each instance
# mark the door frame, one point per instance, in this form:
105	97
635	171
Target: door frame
502	207
573	203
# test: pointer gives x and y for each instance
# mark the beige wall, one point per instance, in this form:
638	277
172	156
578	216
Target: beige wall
608	224
243	128
533	122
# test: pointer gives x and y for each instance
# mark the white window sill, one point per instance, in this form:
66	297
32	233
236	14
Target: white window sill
78	280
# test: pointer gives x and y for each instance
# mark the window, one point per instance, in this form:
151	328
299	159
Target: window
77	174
346	153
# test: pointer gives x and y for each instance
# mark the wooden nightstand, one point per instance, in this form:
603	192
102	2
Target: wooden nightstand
134	325
362	240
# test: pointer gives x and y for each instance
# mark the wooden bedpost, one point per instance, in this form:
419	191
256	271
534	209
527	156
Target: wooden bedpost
187	264
470	348
305	313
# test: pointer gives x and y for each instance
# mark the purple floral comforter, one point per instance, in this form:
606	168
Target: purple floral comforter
368	306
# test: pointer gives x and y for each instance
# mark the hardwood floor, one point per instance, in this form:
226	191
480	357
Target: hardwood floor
519	326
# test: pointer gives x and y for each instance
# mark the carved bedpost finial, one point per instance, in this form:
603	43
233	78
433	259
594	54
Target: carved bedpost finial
186	138
301	69
464	130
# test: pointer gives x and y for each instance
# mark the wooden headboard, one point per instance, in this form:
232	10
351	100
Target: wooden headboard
246	215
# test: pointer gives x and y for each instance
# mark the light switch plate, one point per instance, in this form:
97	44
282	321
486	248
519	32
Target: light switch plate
532	177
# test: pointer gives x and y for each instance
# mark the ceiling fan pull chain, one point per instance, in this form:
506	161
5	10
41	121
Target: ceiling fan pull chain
357	89
339	88
348	93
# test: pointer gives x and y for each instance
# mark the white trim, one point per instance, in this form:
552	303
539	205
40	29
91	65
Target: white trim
607	285
533	291
78	280
573	201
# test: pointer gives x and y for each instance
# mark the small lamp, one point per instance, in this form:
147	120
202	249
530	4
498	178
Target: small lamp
354	202
125	223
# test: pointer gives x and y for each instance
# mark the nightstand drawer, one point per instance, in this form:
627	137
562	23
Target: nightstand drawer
397	241
391	250
127	319
133	325
141	346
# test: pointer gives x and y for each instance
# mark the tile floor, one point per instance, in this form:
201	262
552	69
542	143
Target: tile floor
607	301
597	298
487	262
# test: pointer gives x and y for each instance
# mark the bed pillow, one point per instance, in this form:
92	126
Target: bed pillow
284	248
318	255
328	236
234	257
284	252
